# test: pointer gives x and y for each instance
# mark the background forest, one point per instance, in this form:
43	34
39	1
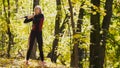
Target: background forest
76	33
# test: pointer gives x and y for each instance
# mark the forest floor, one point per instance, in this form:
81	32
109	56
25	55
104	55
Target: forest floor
20	63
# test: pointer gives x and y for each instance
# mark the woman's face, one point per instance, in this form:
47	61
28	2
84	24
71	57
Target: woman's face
37	11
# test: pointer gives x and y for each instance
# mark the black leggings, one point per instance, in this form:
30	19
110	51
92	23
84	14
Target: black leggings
38	36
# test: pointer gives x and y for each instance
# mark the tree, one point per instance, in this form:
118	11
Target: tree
35	2
7	18
58	20
79	28
74	55
95	36
98	41
105	28
16	3
59	30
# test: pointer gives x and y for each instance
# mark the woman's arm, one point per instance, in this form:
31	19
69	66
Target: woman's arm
41	22
28	18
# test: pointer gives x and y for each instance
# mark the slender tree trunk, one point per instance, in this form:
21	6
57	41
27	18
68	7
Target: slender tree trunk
1	10
3	41
10	36
33	54
58	29
16	3
105	28
95	37
35	2
9	31
52	54
71	14
58	20
74	55
79	28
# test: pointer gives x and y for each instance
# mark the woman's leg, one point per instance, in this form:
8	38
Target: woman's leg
31	43
40	45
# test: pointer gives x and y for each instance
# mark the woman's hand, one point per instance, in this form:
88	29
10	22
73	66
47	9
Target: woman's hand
31	16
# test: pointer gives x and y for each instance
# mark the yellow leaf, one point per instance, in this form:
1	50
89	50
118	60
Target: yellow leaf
75	1
94	13
76	36
87	3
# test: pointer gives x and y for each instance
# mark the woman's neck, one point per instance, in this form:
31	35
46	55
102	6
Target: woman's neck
37	13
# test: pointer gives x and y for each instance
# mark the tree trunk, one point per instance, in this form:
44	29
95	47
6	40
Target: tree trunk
10	42
79	28
71	14
3	41
33	53
53	54
105	28
53	57
35	2
10	36
9	31
74	55
16	3
95	37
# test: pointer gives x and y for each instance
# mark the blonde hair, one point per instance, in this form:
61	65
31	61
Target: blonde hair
38	7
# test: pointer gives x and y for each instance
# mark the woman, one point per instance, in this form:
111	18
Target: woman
36	32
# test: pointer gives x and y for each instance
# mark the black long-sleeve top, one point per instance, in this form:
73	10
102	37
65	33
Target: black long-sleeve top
37	22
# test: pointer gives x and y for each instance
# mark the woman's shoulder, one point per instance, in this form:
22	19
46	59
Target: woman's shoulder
41	15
